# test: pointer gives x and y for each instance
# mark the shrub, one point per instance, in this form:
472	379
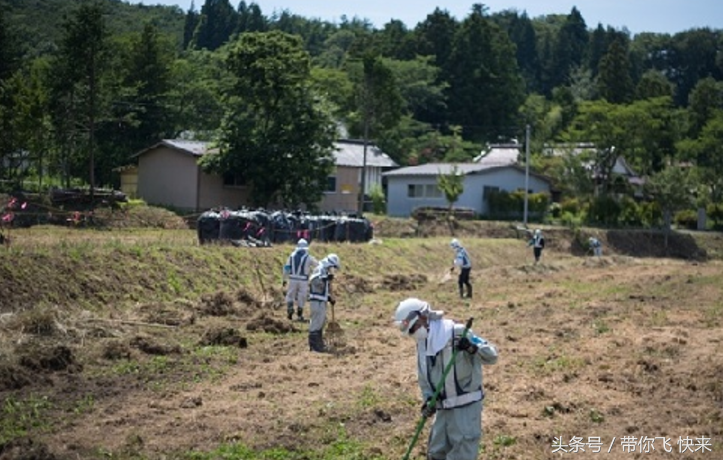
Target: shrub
604	210
630	213
379	202
686	219
572	220
651	213
715	213
506	205
555	210
570	205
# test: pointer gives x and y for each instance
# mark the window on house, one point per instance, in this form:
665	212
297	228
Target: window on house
233	180
415	191
432	191
489	190
423	191
331	184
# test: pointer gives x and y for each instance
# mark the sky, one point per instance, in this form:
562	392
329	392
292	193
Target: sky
660	16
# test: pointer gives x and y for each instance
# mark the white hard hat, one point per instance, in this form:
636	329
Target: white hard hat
454	243
302	243
333	261
538	231
408	312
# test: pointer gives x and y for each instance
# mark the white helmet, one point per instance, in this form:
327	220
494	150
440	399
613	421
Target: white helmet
538	232
408	312
302	244
333	261
455	243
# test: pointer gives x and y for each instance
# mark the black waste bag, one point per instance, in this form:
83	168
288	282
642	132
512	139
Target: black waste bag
232	226
208	227
284	227
326	228
280	227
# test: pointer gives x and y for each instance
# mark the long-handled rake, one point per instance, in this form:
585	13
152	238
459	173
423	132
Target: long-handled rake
433	402
334	330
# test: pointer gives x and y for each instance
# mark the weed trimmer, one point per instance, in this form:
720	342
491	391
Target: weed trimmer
432	402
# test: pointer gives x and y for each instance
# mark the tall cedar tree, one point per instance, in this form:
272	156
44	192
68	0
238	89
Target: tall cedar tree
83	48
217	22
275	136
614	81
486	88
149	76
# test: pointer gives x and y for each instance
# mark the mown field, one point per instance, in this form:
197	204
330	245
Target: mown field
140	344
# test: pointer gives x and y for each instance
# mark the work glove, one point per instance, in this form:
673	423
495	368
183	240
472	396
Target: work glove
427	410
332	301
464	344
283	284
451	269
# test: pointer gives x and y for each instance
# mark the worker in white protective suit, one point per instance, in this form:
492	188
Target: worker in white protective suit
538	244
463	261
296	279
320	292
595	246
457	429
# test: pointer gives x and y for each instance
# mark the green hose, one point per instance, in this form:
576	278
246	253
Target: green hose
433	402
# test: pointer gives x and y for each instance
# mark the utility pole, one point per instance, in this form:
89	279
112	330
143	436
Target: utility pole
364	167
527	171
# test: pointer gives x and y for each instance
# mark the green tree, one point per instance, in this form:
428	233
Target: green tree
250	19
435	36
9	52
570	46
452	185
485	86
31	122
672	188
190	24
654	84
275	137
82	48
9	64
614	81
692	56
419	86
198	79
523	35
704	100
148	77
217	21
378	105
596	122
707	152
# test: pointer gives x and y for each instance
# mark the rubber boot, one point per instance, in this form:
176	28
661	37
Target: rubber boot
316	342
300	314
469	291
461	291
290	310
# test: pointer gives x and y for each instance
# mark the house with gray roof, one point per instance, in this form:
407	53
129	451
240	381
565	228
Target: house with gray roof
416	186
168	174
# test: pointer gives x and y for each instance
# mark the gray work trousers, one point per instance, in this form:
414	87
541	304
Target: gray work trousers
456	433
318	315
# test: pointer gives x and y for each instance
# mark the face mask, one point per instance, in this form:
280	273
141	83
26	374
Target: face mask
420	333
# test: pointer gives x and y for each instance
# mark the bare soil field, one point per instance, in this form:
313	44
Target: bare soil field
144	345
